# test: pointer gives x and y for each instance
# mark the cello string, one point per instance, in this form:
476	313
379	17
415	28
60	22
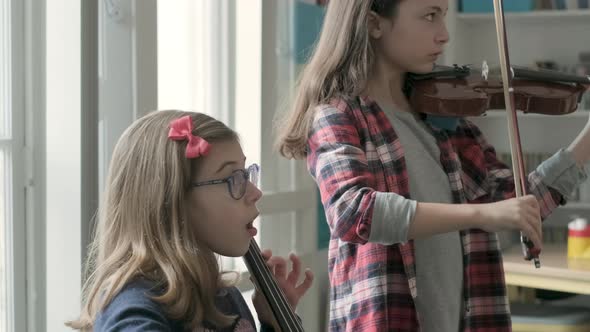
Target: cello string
277	292
276	298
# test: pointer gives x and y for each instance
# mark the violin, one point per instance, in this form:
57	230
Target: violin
267	284
459	91
469	91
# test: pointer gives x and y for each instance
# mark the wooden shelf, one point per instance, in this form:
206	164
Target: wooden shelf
581	114
557	272
576	205
581	15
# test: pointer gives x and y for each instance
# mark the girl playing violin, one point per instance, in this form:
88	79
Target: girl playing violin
177	195
412	205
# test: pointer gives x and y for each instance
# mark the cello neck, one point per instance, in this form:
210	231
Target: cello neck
267	285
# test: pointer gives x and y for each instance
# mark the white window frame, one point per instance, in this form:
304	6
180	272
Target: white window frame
289	205
290	187
15	146
28	165
35	159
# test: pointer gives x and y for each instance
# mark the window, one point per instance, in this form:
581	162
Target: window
232	60
195	51
196	66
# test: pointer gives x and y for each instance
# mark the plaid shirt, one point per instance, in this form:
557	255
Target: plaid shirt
353	152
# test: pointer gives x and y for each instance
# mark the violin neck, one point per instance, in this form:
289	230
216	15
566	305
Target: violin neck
441	71
549	76
267	285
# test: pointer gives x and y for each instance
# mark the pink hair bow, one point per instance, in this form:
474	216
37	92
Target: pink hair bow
182	129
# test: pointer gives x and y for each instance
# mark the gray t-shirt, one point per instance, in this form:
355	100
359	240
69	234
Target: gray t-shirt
439	259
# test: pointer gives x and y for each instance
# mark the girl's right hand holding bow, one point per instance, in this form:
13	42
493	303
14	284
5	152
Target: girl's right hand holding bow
521	213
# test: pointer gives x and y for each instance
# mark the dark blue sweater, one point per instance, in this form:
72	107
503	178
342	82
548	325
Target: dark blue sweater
132	310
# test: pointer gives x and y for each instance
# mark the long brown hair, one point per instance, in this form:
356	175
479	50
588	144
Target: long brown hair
339	66
141	231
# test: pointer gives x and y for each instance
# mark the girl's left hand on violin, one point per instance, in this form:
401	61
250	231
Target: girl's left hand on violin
287	281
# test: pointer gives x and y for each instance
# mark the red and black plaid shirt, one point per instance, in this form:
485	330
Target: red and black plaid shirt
353	152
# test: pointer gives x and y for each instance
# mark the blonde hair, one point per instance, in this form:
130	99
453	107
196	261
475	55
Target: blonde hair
141	230
339	67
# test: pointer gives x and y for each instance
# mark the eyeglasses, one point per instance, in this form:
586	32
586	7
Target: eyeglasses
237	182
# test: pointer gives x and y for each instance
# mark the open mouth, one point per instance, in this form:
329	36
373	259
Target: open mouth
251	229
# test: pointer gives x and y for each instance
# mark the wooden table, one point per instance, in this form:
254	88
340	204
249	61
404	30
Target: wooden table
556	272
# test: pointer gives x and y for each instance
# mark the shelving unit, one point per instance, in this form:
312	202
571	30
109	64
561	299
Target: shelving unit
560	36
579	205
544	15
548	34
580	114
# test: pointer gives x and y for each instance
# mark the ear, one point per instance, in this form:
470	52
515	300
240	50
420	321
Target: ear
374	25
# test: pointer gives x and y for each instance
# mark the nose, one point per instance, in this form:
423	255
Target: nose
253	194
443	36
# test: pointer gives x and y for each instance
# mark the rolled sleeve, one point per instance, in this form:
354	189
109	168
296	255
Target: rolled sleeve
392	215
338	163
562	173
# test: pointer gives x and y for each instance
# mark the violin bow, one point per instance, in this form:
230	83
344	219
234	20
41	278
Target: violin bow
528	249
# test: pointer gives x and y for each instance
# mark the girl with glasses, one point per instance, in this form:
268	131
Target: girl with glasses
413	202
177	195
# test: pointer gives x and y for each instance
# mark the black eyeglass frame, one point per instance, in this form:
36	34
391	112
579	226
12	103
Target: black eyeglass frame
251	174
